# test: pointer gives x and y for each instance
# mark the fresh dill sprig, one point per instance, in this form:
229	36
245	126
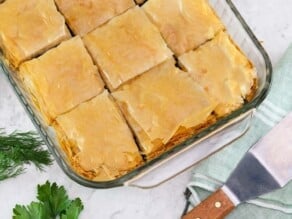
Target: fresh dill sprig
18	149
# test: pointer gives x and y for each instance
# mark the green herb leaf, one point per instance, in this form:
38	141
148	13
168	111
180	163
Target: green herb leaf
53	203
20	212
18	149
73	210
54	198
35	210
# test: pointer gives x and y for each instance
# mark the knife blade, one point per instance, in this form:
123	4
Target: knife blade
266	167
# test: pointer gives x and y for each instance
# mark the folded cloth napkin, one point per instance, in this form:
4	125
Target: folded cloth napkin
210	174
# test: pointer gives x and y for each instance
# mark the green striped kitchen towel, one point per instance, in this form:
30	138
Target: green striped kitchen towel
210	174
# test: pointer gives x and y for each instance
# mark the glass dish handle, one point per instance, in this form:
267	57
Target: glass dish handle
202	149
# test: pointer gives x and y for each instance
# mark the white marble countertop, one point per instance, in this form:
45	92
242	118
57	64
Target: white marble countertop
272	23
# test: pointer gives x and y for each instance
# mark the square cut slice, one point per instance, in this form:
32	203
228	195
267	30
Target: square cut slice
84	16
223	70
184	24
28	28
160	102
126	47
61	79
97	140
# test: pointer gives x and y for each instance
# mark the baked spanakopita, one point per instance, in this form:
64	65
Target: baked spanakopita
61	78
97	140
126	47
28	28
160	104
223	70
184	24
84	16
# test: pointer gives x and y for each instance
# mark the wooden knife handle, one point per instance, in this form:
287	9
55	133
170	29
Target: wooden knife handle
216	206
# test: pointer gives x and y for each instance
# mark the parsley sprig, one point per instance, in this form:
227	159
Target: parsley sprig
18	149
53	202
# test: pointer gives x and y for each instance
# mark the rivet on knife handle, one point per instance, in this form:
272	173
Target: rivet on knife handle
216	206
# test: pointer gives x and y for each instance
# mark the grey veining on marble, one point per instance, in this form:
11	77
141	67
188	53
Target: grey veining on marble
272	23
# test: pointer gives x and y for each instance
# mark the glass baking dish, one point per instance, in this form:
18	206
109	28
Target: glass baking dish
196	148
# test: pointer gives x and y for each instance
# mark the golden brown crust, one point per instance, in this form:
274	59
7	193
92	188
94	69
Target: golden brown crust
97	140
223	70
182	135
249	97
161	100
40	24
126	47
184	24
61	79
84	16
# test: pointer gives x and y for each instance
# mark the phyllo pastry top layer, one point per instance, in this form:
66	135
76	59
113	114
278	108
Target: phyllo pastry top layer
84	16
161	101
28	28
223	70
184	24
126	47
97	139
61	78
